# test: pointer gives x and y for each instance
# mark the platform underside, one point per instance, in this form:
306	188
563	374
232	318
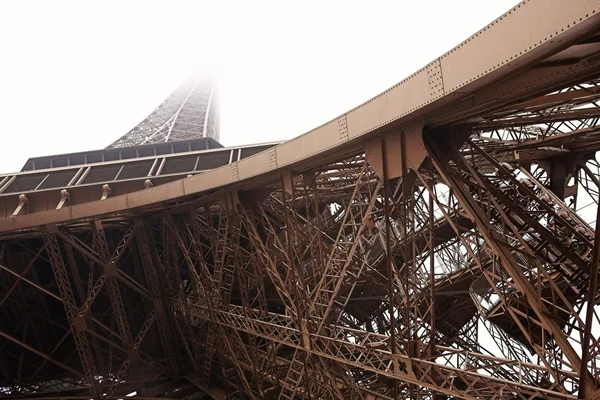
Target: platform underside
414	248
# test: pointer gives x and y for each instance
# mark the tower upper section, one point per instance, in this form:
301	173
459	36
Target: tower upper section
190	112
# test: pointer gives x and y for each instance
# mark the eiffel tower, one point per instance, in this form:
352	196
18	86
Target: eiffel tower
190	112
440	241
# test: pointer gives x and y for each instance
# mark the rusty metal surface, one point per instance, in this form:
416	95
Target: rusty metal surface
436	242
568	24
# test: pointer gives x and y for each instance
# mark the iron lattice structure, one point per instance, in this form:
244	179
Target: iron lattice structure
435	247
190	112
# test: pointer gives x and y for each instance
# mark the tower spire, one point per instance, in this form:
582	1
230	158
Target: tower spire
190	112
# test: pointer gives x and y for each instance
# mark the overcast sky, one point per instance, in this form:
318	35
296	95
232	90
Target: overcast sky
77	75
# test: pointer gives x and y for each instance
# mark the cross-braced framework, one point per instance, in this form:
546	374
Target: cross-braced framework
190	112
453	256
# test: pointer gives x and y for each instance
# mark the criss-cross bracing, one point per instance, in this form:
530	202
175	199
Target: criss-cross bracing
438	246
190	112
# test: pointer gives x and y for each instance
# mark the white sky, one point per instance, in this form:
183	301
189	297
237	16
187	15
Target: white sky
77	75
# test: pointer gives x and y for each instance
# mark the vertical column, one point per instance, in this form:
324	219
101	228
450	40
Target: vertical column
78	322
109	270
149	268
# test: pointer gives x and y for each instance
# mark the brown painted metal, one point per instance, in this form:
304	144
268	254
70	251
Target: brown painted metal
434	243
33	191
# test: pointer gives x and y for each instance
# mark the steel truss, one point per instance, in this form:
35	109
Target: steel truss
190	112
452	257
466	275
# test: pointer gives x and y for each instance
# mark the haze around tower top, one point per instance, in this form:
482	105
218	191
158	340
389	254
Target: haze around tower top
75	76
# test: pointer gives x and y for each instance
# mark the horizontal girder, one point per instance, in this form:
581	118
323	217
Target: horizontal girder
433	246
